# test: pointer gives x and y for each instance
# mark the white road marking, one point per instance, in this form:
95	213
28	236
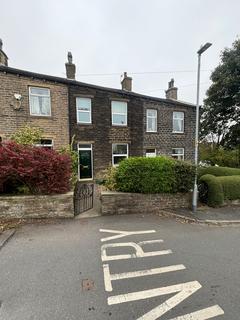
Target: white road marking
108	278
203	314
121	234
150	241
139	251
184	289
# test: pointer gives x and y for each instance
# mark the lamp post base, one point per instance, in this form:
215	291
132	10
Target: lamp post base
195	194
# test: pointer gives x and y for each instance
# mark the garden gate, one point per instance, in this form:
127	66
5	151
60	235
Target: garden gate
83	197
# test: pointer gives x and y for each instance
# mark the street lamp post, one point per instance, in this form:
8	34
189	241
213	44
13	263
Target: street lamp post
195	189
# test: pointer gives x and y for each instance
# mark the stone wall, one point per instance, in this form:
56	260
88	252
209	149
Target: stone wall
54	206
127	203
54	127
164	140
101	133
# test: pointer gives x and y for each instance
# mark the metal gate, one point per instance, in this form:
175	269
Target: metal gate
83	197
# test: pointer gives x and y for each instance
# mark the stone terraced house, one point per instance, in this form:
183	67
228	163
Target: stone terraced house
107	124
40	101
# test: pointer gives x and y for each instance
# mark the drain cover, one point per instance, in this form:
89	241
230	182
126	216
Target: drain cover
87	285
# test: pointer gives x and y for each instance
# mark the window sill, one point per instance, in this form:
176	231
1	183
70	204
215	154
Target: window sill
120	125
85	123
41	117
151	132
178	132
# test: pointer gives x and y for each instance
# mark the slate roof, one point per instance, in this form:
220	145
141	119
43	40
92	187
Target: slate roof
66	81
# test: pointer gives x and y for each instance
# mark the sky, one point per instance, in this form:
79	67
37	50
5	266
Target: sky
152	40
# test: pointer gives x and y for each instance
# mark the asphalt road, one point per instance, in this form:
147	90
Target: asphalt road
55	271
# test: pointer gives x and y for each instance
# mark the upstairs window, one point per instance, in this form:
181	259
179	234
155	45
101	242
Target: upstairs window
40	101
119	113
119	152
84	110
151	120
178	122
151	153
178	153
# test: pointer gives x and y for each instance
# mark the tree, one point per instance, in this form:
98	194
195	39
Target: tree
27	135
221	110
41	171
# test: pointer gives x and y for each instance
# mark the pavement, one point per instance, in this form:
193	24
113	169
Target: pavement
227	215
120	267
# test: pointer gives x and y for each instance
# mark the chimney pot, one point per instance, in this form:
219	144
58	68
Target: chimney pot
171	92
70	67
126	82
3	56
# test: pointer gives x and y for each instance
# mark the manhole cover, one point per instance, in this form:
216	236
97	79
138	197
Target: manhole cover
87	284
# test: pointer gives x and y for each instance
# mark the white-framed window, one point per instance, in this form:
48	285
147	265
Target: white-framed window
178	153
151	153
119	113
151	120
85	161
178	122
84	110
45	143
119	152
40	101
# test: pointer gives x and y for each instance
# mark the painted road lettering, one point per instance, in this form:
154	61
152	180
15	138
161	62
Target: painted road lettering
139	253
182	290
121	234
108	278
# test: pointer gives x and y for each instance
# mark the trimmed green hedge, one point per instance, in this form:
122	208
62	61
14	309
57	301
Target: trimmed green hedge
215	195
231	187
218	171
220	188
152	175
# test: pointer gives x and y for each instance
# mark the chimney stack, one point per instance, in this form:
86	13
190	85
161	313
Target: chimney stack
70	67
126	82
171	92
3	56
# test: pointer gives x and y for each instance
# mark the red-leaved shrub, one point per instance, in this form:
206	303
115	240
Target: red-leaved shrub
42	171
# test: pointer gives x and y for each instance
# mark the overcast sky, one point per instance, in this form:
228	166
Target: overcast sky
113	36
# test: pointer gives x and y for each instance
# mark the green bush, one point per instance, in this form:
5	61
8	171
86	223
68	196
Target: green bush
68	150
184	173
109	179
27	135
215	196
218	171
151	175
230	186
220	188
219	156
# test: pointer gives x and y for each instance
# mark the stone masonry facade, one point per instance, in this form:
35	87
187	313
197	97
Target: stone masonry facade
164	140
101	133
96	138
15	114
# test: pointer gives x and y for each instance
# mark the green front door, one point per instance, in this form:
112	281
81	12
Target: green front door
85	161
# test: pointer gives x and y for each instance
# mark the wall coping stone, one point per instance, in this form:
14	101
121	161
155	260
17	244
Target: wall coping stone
38	196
